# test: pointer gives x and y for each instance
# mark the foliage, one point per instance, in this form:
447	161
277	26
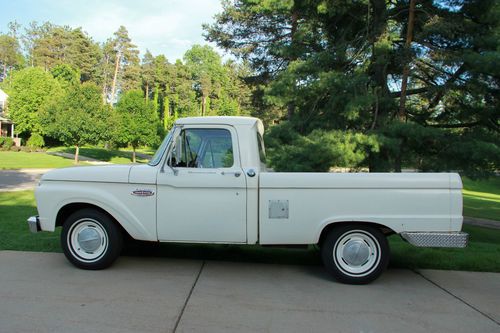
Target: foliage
309	65
434	149
328	69
66	75
6	142
318	151
10	55
30	91
126	62
35	141
101	154
137	121
79	117
55	45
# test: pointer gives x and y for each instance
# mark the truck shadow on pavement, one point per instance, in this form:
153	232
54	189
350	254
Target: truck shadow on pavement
223	252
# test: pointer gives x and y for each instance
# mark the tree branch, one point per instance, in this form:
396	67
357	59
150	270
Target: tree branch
415	91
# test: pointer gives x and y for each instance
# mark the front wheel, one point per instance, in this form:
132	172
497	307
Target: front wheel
90	239
355	254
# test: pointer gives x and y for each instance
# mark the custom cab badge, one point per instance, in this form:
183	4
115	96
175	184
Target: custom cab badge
143	193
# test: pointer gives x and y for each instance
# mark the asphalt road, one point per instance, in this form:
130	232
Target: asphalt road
42	292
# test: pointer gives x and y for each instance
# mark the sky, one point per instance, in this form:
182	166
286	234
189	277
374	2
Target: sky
168	27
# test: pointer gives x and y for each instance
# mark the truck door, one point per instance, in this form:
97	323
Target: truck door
202	188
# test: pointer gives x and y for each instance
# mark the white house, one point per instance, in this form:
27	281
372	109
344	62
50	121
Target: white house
6	125
3	101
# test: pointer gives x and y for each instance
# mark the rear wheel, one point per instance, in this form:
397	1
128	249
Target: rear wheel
355	254
90	239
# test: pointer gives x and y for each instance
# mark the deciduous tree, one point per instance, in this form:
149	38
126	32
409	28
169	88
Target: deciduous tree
78	117
137	121
30	91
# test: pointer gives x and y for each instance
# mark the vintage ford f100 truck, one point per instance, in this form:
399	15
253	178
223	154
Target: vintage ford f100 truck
208	183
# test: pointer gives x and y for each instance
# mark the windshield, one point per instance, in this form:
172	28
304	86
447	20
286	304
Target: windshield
159	153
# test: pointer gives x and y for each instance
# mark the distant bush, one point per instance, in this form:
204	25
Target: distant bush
15	148
35	141
6	142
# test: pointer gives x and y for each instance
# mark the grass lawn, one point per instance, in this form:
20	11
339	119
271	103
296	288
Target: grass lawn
482	198
101	154
482	254
20	160
15	208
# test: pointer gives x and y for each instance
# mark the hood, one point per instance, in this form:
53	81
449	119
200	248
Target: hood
103	173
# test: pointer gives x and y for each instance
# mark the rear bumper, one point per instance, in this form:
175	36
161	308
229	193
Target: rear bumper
437	239
34	224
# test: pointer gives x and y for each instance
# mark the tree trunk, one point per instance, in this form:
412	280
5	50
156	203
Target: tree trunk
147	93
406	68
4	71
378	67
115	76
133	154
294	25
203	105
104	81
77	152
397	162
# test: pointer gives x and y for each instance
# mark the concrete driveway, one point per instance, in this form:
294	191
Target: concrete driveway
42	292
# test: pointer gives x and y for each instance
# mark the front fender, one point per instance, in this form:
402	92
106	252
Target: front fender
136	214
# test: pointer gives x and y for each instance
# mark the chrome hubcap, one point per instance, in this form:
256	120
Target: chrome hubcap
356	252
89	239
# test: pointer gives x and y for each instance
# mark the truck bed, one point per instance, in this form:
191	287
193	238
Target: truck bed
295	207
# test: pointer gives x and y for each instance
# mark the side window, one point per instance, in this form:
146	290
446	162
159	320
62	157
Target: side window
203	148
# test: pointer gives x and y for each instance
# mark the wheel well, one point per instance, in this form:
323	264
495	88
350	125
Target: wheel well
69	209
384	229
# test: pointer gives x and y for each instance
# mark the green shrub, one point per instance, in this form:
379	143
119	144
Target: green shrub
2	140
35	141
7	143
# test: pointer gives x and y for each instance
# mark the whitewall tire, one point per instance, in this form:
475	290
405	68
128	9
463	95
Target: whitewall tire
90	239
355	254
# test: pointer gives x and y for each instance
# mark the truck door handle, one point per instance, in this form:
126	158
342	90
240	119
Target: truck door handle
236	173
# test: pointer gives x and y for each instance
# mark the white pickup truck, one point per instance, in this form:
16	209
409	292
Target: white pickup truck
208	183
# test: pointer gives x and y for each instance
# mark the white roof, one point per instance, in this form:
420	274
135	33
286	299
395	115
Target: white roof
219	120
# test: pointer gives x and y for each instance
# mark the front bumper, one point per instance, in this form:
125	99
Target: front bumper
437	239
34	224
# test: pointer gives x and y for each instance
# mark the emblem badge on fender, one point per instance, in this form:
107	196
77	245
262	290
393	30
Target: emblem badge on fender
143	193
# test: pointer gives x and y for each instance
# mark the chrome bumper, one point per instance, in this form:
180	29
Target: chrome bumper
436	239
34	224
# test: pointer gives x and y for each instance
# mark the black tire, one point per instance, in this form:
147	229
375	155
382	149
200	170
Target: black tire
91	239
355	254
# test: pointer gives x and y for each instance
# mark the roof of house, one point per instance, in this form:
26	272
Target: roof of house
5	120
